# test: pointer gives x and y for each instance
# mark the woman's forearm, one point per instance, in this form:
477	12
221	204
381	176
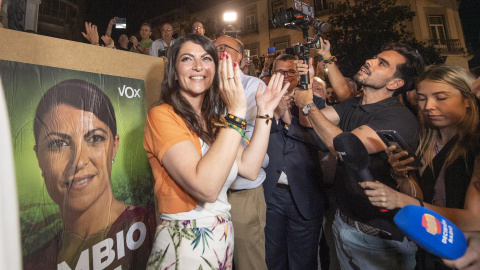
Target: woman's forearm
203	176
251	158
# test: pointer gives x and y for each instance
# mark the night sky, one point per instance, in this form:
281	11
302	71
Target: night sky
137	11
100	12
470	15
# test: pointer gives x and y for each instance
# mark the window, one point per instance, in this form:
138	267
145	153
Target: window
277	6
437	29
254	55
54	8
280	47
250	20
321	6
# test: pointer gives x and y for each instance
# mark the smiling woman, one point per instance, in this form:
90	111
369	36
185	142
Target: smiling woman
76	142
194	161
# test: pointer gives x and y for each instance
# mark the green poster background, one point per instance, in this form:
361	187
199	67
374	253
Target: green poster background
132	181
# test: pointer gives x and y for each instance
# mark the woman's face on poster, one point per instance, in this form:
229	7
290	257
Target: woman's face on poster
75	151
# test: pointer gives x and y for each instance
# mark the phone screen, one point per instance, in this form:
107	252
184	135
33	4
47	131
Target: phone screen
121	23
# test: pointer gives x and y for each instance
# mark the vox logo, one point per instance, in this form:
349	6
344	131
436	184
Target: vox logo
129	92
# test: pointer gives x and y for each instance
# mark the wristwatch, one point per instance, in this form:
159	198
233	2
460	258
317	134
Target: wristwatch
306	108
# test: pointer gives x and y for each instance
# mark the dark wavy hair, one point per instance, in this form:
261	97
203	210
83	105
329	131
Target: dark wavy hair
78	94
413	67
212	105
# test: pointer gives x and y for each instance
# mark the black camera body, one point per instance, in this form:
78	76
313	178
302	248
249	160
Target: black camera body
301	17
303	53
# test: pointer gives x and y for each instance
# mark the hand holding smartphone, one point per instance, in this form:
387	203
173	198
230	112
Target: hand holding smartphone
121	23
391	137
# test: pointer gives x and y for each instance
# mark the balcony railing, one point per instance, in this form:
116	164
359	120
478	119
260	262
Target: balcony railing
447	45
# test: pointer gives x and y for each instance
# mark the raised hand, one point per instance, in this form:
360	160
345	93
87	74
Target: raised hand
134	40
302	68
268	101
113	21
231	88
109	43
268	62
284	105
324	50
303	97
92	33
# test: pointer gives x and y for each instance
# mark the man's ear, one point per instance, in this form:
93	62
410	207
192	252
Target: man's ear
395	83
239	58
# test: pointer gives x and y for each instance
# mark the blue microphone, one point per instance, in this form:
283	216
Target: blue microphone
431	231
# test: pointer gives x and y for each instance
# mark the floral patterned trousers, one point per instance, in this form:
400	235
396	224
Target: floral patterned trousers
205	243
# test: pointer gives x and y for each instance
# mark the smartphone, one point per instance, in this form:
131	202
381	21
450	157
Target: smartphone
121	23
391	137
271	50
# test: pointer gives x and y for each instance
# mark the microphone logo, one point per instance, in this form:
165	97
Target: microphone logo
341	154
431	224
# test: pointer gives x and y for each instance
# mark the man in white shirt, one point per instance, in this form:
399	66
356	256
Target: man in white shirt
160	46
245	196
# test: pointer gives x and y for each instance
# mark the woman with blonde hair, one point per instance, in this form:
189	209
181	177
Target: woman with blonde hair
449	181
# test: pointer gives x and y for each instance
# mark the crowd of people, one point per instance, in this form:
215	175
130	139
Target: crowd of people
240	161
278	214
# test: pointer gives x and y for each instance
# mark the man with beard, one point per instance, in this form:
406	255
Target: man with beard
365	236
293	192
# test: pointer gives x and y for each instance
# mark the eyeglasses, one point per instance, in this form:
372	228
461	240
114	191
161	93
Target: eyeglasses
223	47
197	27
289	72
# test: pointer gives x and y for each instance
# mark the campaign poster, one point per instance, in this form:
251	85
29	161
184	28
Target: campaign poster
85	186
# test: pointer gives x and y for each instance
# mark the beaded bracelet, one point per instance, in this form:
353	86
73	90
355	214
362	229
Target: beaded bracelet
331	59
224	123
235	120
241	131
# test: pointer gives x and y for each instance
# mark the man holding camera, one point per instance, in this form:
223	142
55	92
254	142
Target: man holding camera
160	46
144	44
365	236
293	193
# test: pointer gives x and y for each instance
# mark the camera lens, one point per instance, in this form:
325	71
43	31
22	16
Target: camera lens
388	137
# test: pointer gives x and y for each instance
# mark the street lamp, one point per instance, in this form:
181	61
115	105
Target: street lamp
230	17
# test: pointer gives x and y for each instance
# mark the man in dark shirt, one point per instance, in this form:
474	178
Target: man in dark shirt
366	237
293	192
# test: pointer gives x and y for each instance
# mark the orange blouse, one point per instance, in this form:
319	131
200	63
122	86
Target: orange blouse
163	129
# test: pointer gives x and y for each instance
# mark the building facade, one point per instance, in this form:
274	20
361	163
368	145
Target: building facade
436	23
